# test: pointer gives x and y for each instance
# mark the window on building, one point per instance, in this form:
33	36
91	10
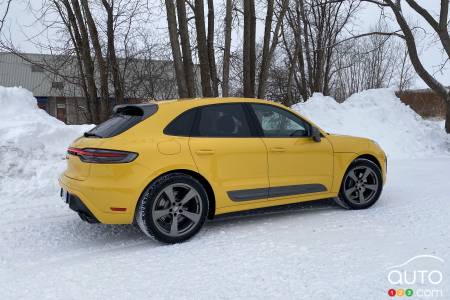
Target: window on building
57	85
37	68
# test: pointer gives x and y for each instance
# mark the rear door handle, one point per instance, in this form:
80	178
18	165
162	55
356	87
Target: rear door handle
205	152
277	149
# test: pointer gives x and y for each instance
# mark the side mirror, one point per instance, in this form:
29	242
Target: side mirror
315	134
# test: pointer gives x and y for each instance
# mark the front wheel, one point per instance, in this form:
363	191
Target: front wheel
361	186
173	208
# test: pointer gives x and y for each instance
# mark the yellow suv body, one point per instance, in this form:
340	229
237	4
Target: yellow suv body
241	154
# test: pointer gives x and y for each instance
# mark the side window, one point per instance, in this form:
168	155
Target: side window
181	125
223	120
277	122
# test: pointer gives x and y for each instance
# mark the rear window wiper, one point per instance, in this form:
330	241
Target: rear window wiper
91	134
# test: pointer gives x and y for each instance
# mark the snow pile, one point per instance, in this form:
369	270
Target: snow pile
381	116
32	145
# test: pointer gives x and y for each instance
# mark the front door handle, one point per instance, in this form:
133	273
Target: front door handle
277	149
205	152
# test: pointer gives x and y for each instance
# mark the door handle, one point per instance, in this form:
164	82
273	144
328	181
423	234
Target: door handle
277	149
205	152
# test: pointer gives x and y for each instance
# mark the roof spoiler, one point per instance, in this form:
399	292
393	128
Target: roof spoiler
145	109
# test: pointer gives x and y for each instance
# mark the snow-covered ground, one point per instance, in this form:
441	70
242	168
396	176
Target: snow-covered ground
307	251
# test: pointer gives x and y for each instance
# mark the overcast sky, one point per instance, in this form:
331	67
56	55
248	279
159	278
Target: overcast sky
21	25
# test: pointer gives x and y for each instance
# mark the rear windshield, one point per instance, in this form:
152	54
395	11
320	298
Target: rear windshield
123	118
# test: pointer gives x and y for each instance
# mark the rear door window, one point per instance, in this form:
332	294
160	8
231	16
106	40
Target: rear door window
222	120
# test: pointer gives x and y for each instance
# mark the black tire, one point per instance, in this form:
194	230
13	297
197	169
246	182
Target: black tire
156	196
356	194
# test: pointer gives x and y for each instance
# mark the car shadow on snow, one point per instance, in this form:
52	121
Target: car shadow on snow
130	235
276	212
80	230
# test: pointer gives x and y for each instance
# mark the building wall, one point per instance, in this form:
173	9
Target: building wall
63	99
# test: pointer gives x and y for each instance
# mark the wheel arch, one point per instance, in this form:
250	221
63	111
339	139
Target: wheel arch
365	156
368	157
201	179
343	161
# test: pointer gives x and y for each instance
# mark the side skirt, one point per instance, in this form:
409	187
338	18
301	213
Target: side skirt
273	192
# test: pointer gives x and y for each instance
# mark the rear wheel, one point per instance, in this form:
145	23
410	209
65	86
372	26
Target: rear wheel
173	208
361	186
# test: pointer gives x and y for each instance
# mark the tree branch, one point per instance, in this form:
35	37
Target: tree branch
2	20
424	13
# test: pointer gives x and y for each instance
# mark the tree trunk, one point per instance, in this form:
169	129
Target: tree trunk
186	48
295	23
319	54
264	69
249	49
75	37
176	52
267	59
211	52
447	115
202	48
78	23
102	66
293	61
307	48
114	64
227	49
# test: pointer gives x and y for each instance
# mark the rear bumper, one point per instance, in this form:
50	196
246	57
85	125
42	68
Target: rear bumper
96	203
77	205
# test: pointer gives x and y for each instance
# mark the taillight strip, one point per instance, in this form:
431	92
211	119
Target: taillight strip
84	152
102	156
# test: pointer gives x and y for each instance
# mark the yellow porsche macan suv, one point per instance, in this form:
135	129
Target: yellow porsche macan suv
167	166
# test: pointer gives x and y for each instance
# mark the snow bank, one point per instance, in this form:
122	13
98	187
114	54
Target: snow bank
379	115
32	145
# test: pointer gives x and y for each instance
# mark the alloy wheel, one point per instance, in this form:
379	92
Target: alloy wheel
177	209
361	185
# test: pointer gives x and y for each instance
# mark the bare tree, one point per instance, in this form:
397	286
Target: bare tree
202	47
406	74
269	44
312	32
94	45
211	50
176	52
111	50
186	47
150	69
102	65
81	42
249	49
7	5
440	28
227	48
373	61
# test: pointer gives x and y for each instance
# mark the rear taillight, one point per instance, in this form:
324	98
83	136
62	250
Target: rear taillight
102	156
